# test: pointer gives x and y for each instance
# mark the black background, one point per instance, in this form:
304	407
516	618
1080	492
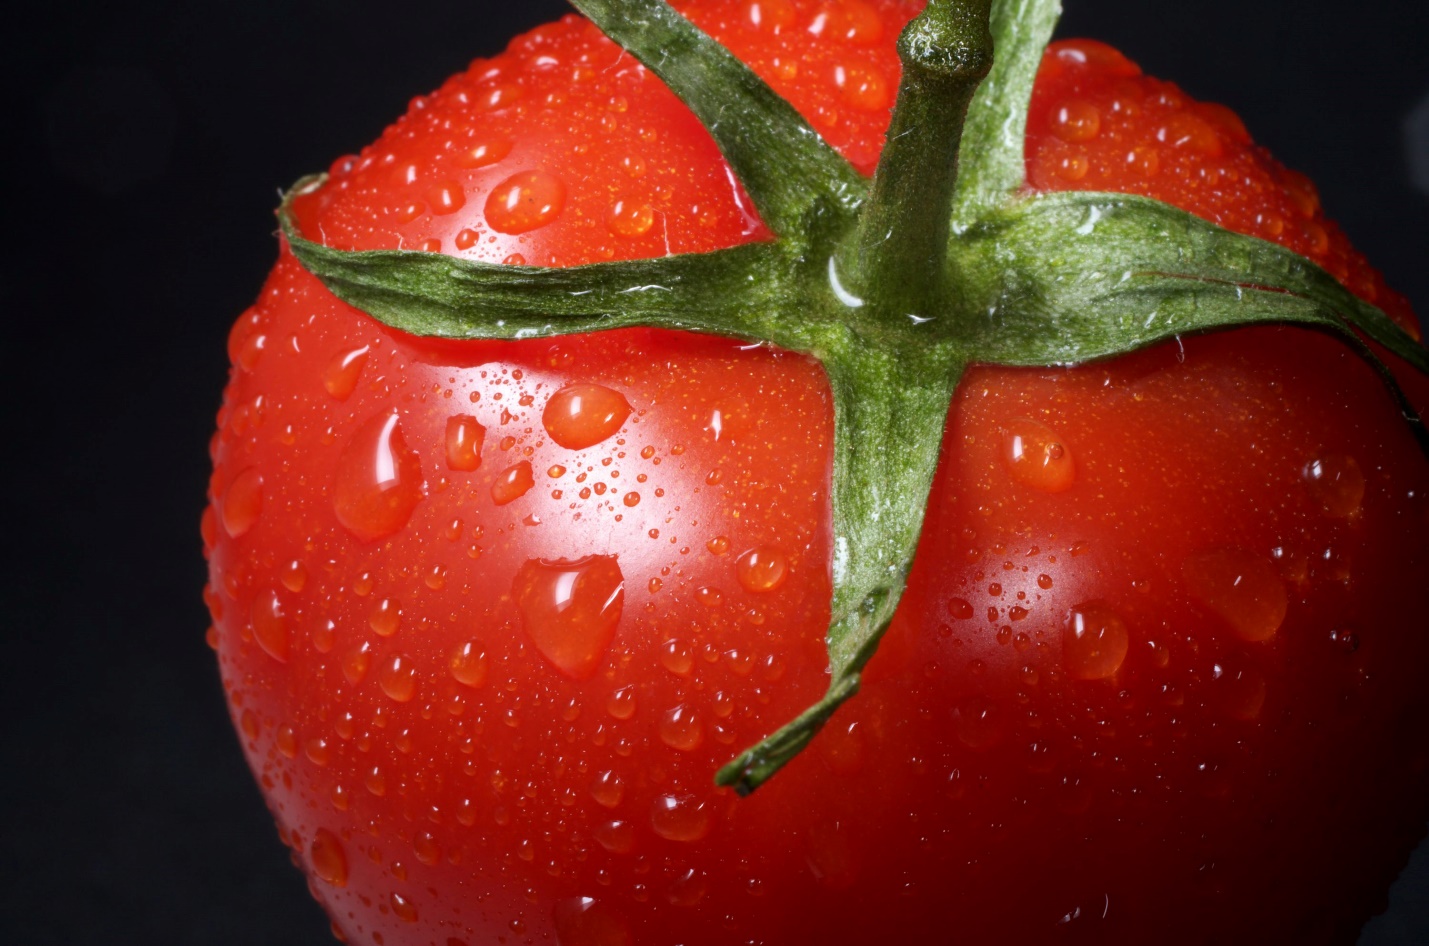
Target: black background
146	148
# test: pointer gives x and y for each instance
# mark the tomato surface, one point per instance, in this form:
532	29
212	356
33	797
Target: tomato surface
489	615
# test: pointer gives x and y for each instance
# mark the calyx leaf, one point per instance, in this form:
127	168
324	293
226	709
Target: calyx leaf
979	271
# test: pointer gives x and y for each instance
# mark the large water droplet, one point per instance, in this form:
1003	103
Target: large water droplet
464	439
525	202
585	921
617	837
582	415
1239	587
379	480
570	610
329	860
242	503
1338	483
681	818
1094	641
270	625
1036	456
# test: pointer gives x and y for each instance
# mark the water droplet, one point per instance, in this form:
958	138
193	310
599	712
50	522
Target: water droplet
585	921
464	439
403	908
631	499
398	679
1239	587
1037	457
425	846
525	202
446	197
468	664
570	610
328	858
1044	582
294	576
830	856
1338	483
342	372
762	569
1240	689
621	704
617	837
960	608
676	656
512	484
608	789
681	817
1094	641
688	889
770	15
862	86
484	152
386	618
979	723
1346	641
270	626
582	415
718	545
379	480
1076	120
681	729
629	218
356	663
242	503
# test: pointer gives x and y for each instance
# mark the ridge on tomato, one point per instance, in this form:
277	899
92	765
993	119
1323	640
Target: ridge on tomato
502	576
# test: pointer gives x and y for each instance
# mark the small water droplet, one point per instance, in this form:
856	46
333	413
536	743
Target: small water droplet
617	837
1094	641
608	789
513	483
398	679
960	608
468	664
464	439
270	625
242	503
621	704
1345	640
681	817
446	197
570	610
328	858
979	723
762	569
1337	481
688	889
676	656
379	480
585	921
343	371
403	908
484	152
681	729
582	415
1239	587
525	201
630	218
1036	456
386	618
1076	120
425	846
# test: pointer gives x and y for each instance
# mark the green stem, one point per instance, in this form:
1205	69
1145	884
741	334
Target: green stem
902	239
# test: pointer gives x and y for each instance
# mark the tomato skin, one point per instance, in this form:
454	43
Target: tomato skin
443	778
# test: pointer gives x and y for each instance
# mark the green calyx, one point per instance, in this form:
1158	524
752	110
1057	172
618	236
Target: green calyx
895	287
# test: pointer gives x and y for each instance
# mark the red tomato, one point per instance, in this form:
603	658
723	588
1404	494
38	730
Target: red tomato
490	615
